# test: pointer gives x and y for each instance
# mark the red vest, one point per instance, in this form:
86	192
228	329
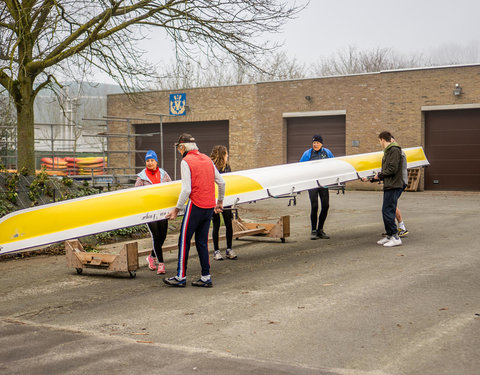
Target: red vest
203	179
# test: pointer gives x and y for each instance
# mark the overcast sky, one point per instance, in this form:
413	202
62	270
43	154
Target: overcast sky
409	27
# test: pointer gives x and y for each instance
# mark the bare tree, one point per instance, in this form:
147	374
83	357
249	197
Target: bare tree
352	61
279	66
228	71
454	53
40	38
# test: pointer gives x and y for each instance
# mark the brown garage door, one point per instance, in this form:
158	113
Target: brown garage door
452	144
301	129
207	135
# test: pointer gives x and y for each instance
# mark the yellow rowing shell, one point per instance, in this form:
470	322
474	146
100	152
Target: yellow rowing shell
79	217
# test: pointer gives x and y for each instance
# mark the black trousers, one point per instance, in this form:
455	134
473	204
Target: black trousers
227	219
390	199
325	202
158	231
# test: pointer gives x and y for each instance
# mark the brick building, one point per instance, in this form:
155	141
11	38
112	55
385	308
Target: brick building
270	123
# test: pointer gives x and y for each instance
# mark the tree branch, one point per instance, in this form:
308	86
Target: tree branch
42	15
45	83
5	80
7	26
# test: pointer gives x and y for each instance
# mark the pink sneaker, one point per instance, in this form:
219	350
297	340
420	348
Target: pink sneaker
161	269
152	263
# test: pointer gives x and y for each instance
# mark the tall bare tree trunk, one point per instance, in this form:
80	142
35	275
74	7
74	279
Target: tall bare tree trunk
24	104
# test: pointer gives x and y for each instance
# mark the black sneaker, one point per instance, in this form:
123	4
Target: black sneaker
313	235
205	284
402	232
173	281
322	234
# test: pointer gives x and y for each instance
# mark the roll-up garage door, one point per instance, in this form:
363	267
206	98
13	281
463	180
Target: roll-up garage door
452	145
301	129
206	133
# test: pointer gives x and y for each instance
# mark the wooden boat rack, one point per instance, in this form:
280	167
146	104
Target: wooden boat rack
127	259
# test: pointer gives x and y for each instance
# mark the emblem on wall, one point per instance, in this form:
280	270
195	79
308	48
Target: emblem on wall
178	104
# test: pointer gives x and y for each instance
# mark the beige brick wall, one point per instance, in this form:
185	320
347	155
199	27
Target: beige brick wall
373	102
233	103
357	95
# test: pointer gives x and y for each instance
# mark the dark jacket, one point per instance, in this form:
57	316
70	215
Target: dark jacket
392	162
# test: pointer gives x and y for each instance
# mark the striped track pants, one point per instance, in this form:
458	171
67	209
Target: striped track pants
196	221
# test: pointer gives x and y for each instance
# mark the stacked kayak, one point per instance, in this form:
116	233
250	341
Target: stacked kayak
91	165
57	165
72	164
75	166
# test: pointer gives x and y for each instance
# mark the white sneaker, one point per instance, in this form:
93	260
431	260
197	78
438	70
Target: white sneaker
217	255
231	254
393	242
384	240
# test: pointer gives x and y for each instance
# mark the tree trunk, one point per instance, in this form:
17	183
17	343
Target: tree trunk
25	127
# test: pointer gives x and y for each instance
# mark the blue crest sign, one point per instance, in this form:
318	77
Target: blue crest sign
178	104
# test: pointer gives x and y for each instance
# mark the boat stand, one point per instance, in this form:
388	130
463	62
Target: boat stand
125	261
281	229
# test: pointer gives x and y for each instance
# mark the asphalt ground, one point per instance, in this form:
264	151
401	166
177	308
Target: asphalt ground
340	306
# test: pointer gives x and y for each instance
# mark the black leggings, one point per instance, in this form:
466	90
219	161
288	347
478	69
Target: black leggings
324	200
158	230
227	219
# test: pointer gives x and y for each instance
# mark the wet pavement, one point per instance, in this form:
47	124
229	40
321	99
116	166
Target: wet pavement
340	306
